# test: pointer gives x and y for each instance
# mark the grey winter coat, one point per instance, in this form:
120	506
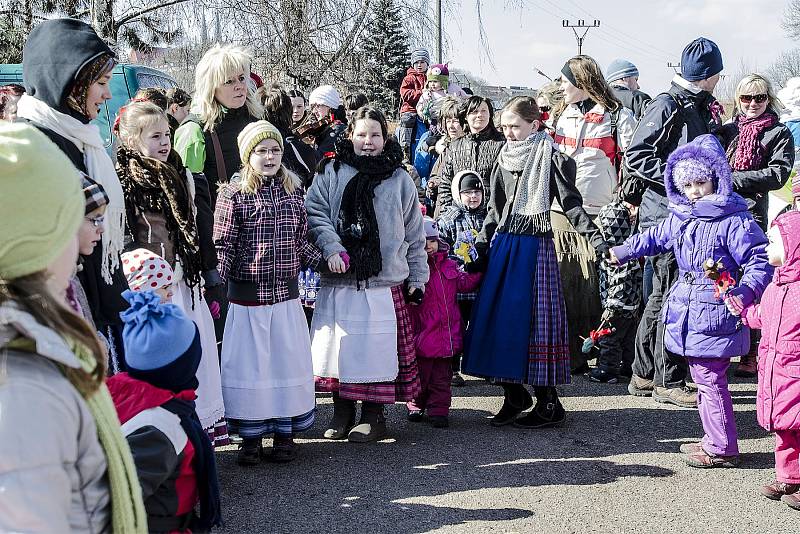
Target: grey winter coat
399	224
53	472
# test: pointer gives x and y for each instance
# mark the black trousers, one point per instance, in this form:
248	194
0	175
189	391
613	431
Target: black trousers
651	360
617	349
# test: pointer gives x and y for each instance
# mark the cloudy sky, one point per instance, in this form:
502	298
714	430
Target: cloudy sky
648	32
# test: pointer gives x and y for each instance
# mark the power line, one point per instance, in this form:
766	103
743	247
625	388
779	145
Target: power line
581	24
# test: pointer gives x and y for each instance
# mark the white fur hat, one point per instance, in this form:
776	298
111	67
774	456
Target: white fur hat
327	95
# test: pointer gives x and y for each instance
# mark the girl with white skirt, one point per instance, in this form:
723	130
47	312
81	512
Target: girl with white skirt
260	234
162	199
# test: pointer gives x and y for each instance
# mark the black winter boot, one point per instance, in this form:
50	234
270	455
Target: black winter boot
372	425
547	412
344	417
249	452
517	400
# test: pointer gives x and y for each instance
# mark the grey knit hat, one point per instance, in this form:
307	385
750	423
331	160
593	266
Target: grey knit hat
620	68
420	54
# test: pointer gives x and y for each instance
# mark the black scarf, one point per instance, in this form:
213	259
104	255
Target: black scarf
358	224
151	185
205	465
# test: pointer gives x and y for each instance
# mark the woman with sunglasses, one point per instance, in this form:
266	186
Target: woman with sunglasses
760	150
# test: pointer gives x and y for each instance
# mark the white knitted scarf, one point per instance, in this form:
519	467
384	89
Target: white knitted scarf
531	158
98	164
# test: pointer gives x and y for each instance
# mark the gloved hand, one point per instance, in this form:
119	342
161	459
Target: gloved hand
478	266
213	296
414	295
602	250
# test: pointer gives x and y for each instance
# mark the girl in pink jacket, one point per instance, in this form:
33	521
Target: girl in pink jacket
778	316
438	329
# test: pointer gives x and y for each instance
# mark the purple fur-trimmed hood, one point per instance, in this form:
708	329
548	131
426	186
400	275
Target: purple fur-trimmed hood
706	152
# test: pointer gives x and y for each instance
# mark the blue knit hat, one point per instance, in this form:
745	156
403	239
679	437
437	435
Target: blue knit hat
620	68
701	59
162	345
420	54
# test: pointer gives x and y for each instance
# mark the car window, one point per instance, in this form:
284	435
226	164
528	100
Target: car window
147	79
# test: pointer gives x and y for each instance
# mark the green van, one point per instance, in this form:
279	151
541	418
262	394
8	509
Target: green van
126	80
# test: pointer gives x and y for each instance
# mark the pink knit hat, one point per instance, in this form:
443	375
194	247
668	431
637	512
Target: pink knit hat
146	271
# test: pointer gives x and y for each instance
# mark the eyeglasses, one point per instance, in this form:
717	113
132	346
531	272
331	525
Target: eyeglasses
271	151
760	99
97	222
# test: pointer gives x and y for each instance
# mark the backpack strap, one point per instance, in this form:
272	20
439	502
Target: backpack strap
614	135
222	173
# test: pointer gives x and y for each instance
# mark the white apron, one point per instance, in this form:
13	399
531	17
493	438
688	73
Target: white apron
266	362
354	335
209	405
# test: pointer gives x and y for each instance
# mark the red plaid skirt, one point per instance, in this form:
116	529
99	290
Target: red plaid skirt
405	387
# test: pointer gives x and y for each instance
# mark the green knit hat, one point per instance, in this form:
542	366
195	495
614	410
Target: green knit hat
41	205
253	134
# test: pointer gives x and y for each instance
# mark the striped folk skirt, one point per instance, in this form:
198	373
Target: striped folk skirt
403	388
518	332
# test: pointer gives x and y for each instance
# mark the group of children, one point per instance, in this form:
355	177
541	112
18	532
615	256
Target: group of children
395	295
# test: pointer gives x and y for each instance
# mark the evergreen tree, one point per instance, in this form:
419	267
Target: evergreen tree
386	57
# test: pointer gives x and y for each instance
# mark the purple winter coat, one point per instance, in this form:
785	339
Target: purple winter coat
716	226
778	316
438	330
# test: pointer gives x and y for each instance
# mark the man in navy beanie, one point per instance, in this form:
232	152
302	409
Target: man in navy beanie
685	111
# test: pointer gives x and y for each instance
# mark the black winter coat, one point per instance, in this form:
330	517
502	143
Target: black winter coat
477	152
672	119
49	71
755	185
635	101
562	188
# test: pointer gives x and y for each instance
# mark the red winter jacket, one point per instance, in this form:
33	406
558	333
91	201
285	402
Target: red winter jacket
411	90
438	331
161	451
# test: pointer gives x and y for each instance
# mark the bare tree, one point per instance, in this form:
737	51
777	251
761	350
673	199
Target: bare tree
787	65
791	20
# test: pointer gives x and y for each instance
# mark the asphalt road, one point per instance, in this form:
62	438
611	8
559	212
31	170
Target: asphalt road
613	466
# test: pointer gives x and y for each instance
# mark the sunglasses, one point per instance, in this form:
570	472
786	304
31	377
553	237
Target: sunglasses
544	109
760	99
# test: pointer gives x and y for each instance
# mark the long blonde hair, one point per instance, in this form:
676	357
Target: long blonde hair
32	295
757	84
250	180
135	118
214	69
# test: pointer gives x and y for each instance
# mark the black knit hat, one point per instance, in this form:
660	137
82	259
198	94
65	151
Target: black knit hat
470	182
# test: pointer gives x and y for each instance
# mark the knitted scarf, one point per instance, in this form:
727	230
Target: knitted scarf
100	168
532	159
127	507
749	152
358	224
204	464
155	186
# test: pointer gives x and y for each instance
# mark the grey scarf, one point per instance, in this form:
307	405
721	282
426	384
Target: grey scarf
530	158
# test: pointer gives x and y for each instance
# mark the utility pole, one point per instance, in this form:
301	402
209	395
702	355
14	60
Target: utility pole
674	66
582	25
439	31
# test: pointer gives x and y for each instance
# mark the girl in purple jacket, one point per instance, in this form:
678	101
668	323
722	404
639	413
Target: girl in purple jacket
438	329
708	221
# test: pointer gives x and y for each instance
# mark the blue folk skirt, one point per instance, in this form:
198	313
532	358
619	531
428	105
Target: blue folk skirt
518	331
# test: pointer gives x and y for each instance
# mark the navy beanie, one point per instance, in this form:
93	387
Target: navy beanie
701	59
162	345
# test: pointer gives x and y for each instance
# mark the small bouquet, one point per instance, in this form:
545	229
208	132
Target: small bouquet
604	329
723	281
464	247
